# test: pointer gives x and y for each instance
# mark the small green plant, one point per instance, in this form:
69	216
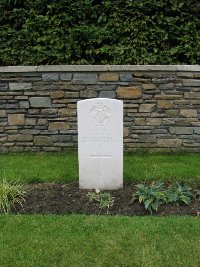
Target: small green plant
104	200
151	195
179	193
11	193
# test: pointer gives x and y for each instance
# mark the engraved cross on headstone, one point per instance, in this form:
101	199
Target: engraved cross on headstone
100	158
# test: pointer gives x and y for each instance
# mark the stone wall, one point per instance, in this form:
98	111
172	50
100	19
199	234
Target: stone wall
161	105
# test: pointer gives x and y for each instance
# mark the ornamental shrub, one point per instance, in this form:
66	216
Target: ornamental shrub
35	32
11	193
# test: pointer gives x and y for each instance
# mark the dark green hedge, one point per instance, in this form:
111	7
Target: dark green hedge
37	32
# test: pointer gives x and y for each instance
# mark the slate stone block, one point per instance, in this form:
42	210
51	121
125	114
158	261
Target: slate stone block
85	78
40	102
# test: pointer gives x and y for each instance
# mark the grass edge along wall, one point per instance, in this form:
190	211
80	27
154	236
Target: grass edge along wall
38	105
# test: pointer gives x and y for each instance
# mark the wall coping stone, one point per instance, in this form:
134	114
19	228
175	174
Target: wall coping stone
98	68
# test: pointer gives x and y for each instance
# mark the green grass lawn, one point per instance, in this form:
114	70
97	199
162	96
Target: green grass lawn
60	167
96	241
73	241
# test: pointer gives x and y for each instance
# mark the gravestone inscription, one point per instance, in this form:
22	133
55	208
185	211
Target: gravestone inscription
100	143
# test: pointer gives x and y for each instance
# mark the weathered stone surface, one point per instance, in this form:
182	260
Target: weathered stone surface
50	77
27	144
130	109
197	130
37	93
58	125
31	77
67	112
16	119
14	106
185	74
2	113
16	149
188	113
42	122
11	127
65	76
61	138
102	87
45	86
175	93
88	94
171	113
131	105
182	103
192	95
32	111
24	104
40	102
146	107
107	94
181	130
2	129
169	143
85	78
149	86
20	138
126	77
195	123
165	86
153	121
126	131
168	97
52	149
49	111
20	86
72	106
71	87
108	77
163	69
131	92
183	89
61	101
30	131
57	94
130	112
139	121
5	97
147	138
184	122
71	94
160	131
43	141
191	144
3	138
165	104
3	86
191	82
30	121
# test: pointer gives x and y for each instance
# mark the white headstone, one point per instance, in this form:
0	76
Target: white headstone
100	143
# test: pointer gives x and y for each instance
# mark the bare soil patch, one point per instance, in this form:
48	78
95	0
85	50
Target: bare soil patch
54	198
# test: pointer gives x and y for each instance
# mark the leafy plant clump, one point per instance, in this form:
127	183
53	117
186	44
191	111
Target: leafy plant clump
104	200
11	193
150	195
179	193
157	193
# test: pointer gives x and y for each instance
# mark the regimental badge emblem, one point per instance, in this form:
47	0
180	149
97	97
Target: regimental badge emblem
100	113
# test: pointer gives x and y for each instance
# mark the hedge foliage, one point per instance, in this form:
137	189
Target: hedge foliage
35	32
